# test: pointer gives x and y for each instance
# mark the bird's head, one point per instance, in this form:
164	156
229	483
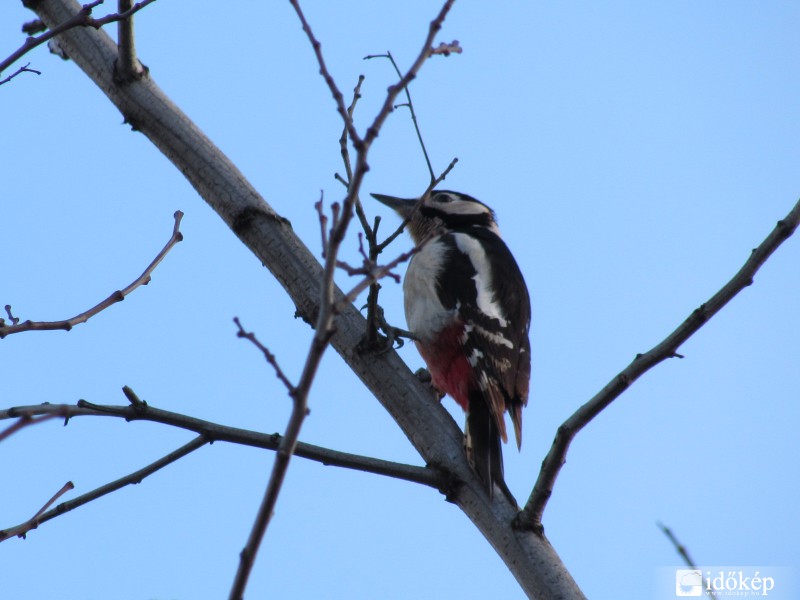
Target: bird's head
441	209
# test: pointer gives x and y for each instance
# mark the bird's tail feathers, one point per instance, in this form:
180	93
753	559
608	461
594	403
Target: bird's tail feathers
484	447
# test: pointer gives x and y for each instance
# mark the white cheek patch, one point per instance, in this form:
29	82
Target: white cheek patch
467	208
480	262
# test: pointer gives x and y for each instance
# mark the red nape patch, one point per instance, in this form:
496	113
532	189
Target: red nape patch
450	370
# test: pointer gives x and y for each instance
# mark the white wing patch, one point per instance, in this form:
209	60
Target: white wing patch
483	276
495	338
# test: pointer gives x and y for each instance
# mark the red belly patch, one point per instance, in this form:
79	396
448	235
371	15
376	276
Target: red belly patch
450	370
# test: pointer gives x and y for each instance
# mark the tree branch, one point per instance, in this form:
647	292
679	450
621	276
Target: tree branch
269	356
410	106
82	18
23	69
531	515
428	425
214	432
128	66
679	548
25	421
684	554
134	478
117	296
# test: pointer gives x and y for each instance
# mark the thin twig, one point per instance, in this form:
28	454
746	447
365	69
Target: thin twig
117	296
24	421
410	106
233	435
133	478
81	18
23	69
323	224
375	249
370	232
368	265
684	554
64	489
391	237
128	67
679	548
32	523
271	359
362	217
376	272
531	515
323	70
344	148
288	444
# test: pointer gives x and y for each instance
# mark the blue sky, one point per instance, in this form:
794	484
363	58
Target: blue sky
634	152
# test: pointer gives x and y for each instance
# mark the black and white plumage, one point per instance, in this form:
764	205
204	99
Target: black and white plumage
467	305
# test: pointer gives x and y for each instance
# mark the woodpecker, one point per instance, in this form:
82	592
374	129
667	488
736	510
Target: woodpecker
467	306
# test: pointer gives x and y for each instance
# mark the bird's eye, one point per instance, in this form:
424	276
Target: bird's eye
443	198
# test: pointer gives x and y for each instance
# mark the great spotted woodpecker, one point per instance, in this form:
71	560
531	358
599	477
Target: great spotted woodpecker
468	309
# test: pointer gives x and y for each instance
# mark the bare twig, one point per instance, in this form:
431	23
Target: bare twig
128	66
133	478
19	71
64	489
375	249
370	232
531	515
24	421
410	106
32	523
367	264
344	148
323	224
374	273
288	444
249	335
14	320
222	433
326	75
117	296
684	554
422	198
81	18
679	548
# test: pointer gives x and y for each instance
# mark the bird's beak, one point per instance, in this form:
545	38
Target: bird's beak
402	206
